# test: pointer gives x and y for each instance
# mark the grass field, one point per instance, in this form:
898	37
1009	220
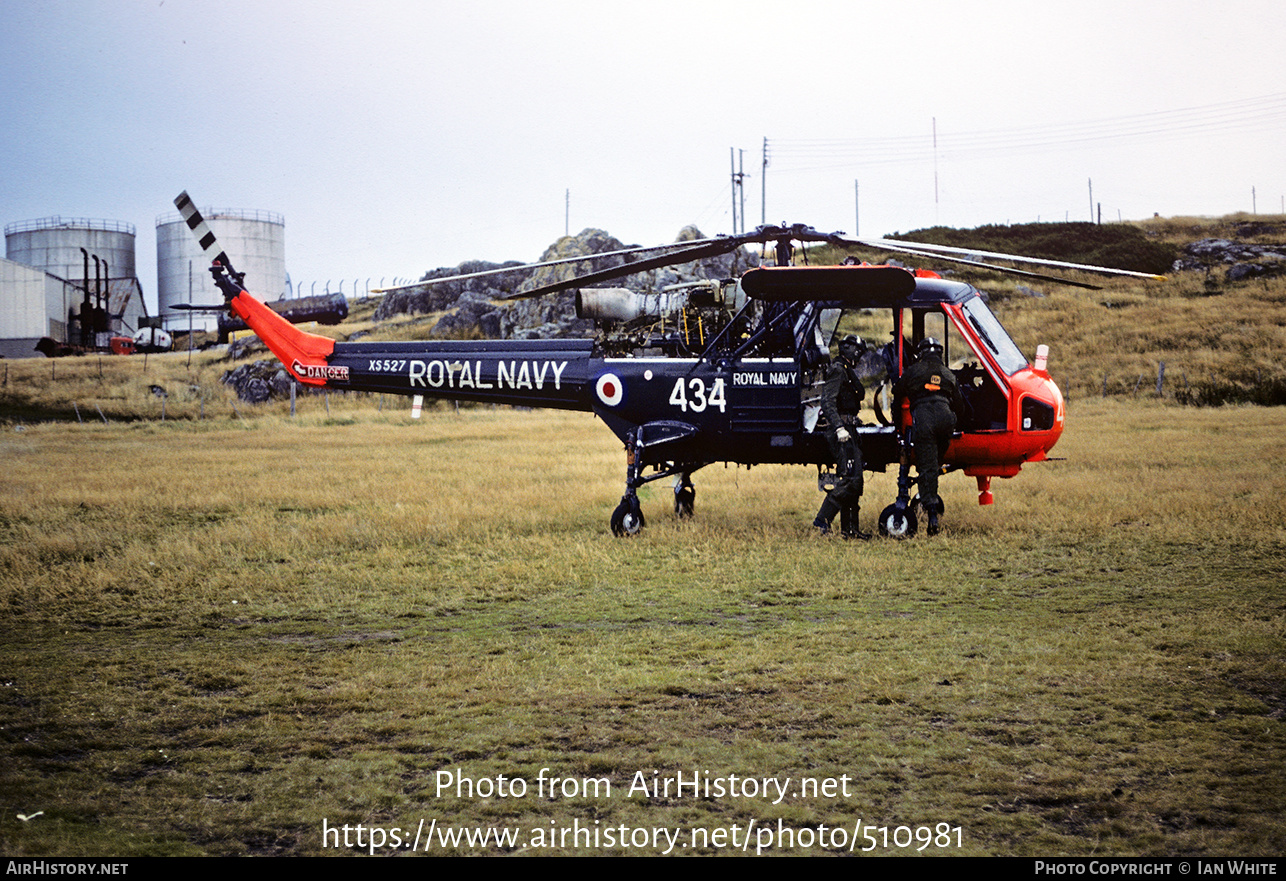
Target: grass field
239	637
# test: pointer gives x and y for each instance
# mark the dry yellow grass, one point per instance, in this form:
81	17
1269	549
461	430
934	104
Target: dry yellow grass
214	635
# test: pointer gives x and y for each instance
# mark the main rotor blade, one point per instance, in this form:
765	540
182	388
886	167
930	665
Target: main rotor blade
891	245
1009	270
762	234
485	272
711	249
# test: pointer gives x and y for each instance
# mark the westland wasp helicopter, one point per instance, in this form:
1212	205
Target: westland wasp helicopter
721	371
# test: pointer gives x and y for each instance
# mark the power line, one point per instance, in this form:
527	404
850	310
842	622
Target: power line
1250	114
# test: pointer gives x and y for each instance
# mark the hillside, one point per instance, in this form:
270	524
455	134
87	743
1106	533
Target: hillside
1218	326
1119	245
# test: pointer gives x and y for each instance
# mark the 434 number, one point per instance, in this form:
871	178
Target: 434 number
691	394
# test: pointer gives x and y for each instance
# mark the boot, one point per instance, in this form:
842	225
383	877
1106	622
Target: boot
825	514
934	508
848	524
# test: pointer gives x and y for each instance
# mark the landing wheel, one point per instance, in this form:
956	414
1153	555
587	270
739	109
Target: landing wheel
685	499
627	519
897	522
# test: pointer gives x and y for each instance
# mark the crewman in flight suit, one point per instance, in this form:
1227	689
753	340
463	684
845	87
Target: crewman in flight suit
935	403
841	401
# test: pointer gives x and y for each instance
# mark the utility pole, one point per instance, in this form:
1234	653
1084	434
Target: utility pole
1091	180
935	171
567	212
732	165
763	187
738	189
857	210
741	165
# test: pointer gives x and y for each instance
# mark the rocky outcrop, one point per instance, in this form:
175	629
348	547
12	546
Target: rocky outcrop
259	381
478	306
472	301
1242	261
473	312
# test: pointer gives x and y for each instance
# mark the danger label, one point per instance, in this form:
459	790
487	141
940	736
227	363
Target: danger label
324	372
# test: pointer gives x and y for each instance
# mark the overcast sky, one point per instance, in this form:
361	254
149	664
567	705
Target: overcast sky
396	137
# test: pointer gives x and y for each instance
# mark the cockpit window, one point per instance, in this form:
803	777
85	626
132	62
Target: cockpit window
827	322
1007	354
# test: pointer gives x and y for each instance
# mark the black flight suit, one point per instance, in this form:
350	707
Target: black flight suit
935	400
842	395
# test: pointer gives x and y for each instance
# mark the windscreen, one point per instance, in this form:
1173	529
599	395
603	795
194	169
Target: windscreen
827	322
1007	354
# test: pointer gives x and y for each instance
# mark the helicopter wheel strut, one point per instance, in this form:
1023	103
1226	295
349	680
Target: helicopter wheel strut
685	497
627	519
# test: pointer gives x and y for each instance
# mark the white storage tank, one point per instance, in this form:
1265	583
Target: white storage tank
53	244
255	242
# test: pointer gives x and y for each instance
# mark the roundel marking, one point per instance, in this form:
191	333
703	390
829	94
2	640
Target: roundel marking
609	389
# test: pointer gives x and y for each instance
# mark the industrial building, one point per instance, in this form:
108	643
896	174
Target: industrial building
72	281
68	280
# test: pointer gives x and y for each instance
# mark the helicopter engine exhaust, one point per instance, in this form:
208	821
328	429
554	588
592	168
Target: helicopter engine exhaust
622	304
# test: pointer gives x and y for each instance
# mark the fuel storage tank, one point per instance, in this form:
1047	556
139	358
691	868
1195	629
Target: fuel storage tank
255	242
53	244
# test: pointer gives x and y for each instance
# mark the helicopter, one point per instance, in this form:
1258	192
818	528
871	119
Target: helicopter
725	370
